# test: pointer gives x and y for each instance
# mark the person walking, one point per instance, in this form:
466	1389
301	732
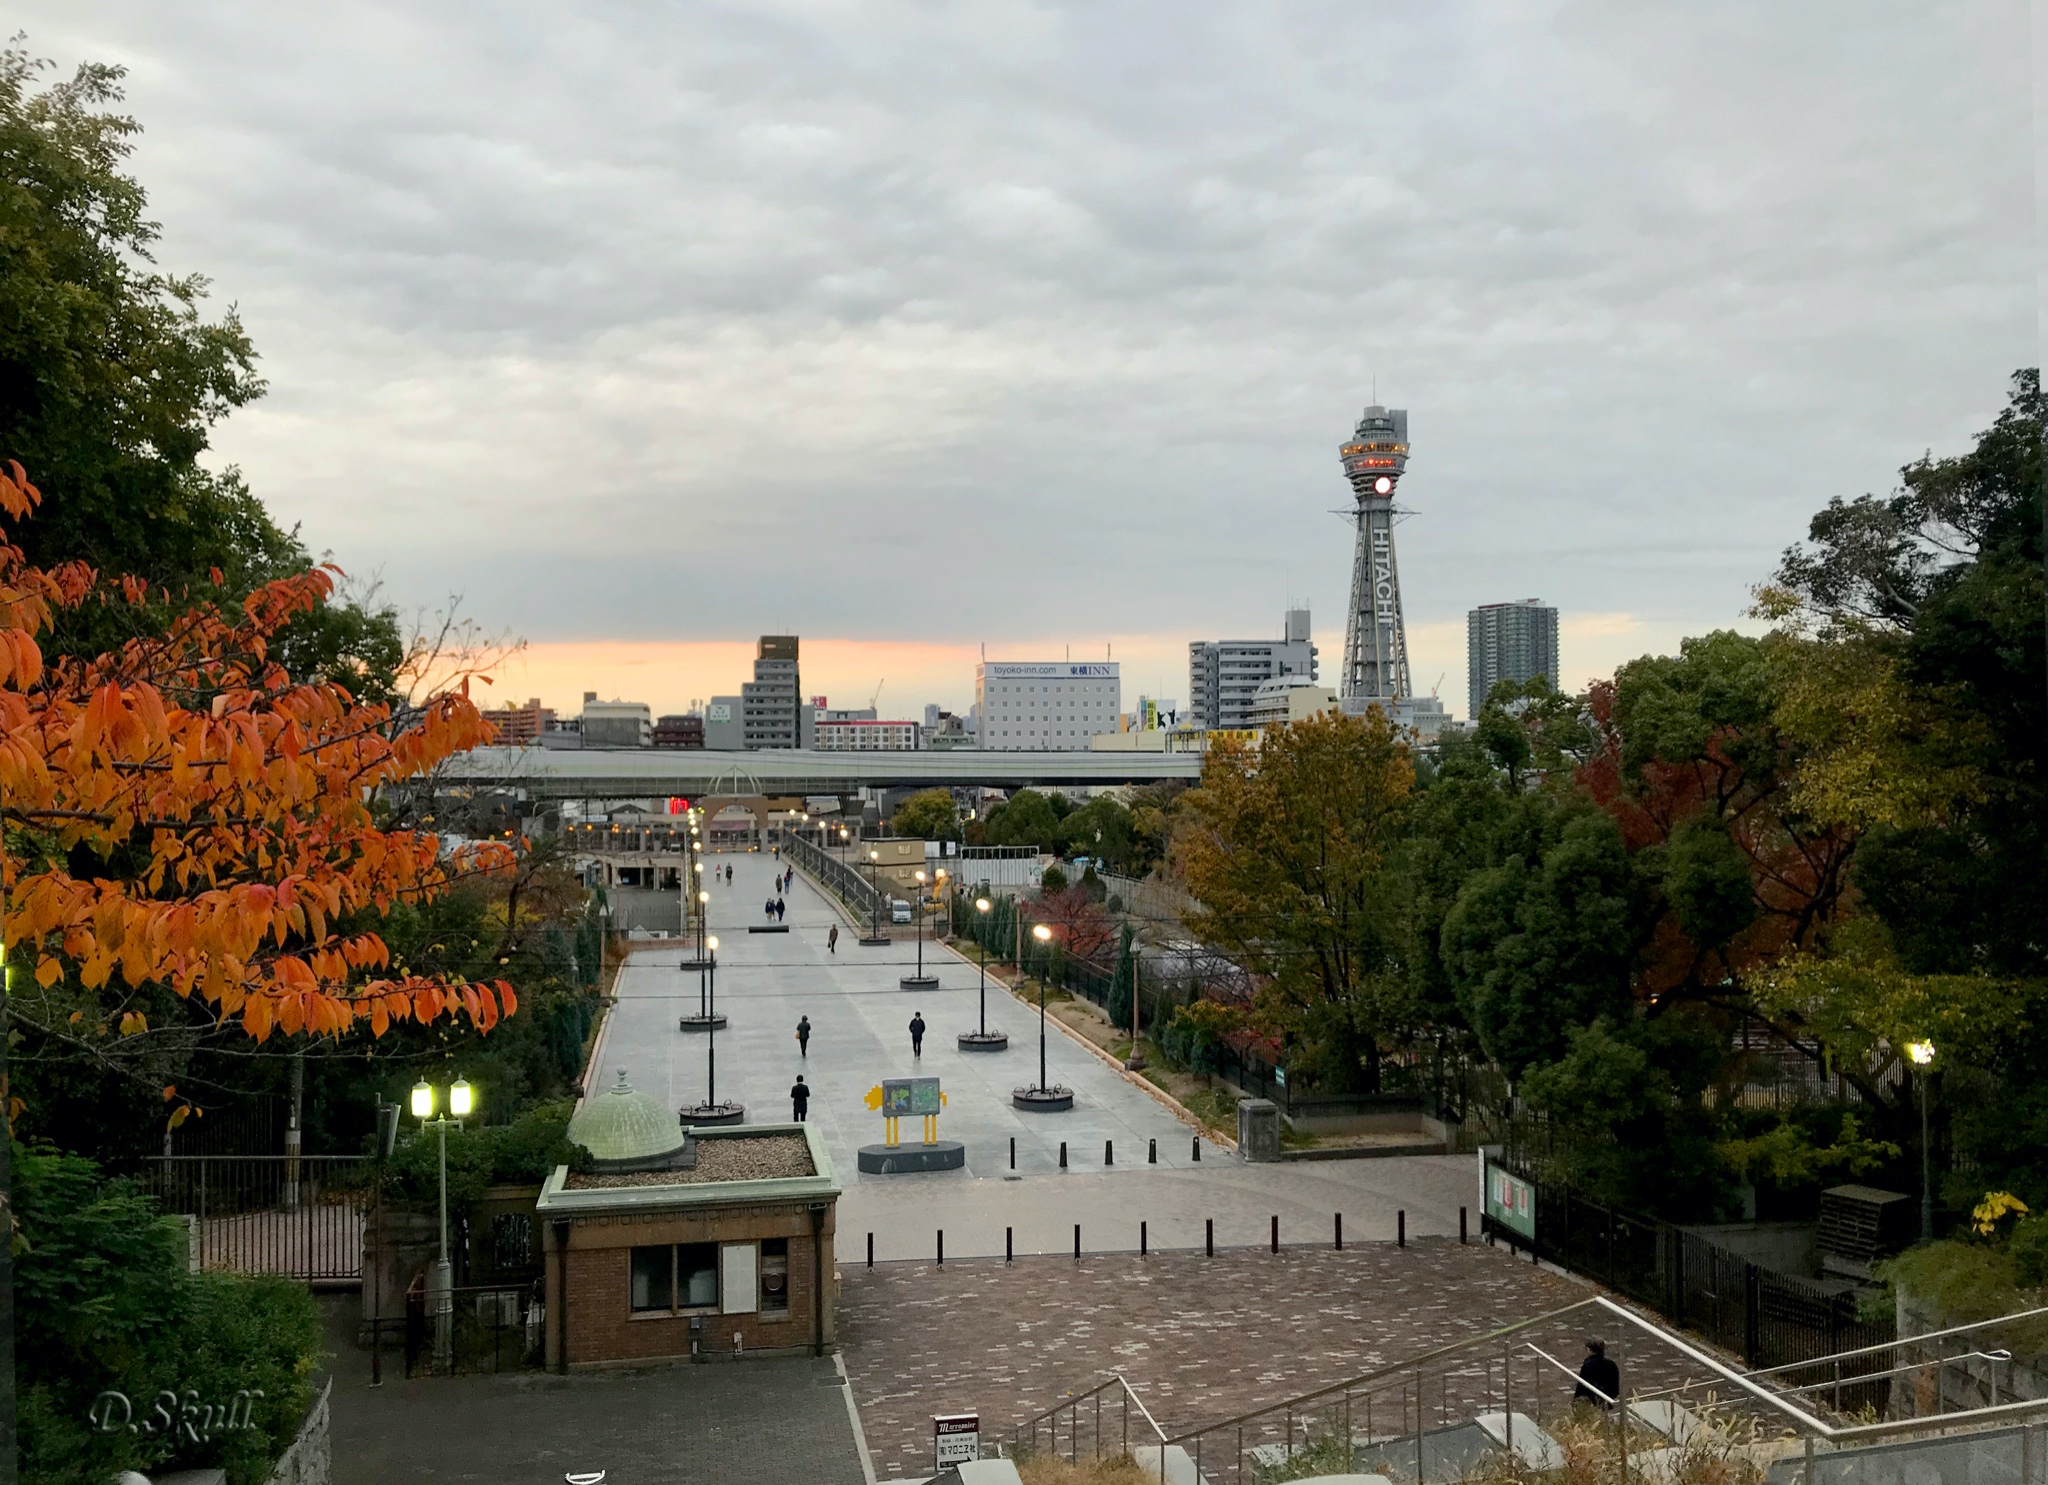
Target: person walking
728	873
778	909
832	940
799	1098
917	1033
1599	1377
803	1036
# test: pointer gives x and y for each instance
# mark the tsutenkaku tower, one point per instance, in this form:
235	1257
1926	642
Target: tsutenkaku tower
1375	639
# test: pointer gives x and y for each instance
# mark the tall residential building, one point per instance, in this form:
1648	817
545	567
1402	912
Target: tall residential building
774	713
1509	642
616	724
518	725
1046	706
1375	635
1224	674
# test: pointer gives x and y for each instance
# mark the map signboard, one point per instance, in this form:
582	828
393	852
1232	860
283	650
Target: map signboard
956	1437
906	1097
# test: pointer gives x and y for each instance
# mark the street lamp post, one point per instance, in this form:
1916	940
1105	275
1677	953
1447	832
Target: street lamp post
460	1101
920	980
983	1040
1922	1055
875	936
707	1017
1039	1096
711	1111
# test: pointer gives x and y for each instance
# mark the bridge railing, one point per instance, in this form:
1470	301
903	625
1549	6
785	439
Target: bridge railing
839	877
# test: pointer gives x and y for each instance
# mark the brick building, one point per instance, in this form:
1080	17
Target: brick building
682	1243
518	725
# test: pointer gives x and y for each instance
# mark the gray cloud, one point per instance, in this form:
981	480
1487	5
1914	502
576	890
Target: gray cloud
971	321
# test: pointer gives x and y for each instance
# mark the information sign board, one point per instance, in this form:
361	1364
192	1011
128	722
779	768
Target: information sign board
1510	1200
907	1097
956	1437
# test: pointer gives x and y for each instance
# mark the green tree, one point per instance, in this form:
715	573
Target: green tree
929	814
1028	818
1286	849
1543	940
103	1300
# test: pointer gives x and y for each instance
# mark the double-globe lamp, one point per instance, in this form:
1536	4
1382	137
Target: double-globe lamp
461	1100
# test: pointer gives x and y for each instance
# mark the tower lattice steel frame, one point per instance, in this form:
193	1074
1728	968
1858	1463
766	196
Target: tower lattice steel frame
1375	635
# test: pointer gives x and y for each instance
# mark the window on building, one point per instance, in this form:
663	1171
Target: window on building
774	1276
668	1279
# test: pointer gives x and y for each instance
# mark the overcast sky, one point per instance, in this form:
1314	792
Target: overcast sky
914	327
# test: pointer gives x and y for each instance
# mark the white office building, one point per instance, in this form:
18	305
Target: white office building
1225	674
1046	706
866	735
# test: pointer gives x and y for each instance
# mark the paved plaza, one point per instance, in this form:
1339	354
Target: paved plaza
860	1018
1200	1339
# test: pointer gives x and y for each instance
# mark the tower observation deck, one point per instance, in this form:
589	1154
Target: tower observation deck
1375	636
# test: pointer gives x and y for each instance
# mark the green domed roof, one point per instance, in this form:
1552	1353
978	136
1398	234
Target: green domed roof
623	1126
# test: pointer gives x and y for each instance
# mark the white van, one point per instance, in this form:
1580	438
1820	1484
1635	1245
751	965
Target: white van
899	910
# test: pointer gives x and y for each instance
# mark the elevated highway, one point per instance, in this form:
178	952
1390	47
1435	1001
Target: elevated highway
633	773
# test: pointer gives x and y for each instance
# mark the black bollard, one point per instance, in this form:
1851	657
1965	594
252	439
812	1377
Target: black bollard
871	1250
1077	1242
1141	1240
942	1247
1209	1235
1152	1153
1009	1254
1109	1152
1276	1232
1461	1225
1063	1154
1340	1232
1197	1156
1013	1152
1400	1229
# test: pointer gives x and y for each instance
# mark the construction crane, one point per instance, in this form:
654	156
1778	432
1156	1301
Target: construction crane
875	701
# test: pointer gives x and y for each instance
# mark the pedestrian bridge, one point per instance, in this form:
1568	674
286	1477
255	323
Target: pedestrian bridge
633	773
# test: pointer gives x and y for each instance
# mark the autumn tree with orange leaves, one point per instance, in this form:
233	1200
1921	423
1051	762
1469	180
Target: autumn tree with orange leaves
181	813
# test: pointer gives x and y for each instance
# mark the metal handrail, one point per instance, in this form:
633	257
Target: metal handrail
1931	1335
1806	1422
1072	1405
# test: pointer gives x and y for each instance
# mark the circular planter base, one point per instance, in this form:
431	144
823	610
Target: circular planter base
1043	1100
984	1041
699	964
919	982
899	1160
876	943
703	1115
701	1023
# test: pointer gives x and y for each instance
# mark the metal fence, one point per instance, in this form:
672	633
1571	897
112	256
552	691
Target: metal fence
296	1215
492	1328
839	876
1770	1319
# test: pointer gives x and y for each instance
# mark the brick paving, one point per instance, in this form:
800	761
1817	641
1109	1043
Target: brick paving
1198	1338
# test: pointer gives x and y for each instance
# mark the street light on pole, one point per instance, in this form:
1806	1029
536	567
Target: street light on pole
461	1100
983	1040
1921	1054
711	1111
1039	1096
920	980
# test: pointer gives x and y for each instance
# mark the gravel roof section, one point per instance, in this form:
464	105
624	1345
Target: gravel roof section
762	1157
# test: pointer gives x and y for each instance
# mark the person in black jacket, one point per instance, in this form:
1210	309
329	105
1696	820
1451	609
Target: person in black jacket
1599	1377
799	1098
917	1033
